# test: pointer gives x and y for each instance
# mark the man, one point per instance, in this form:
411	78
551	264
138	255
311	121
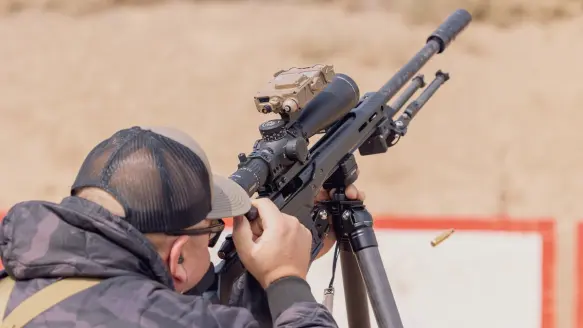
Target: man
136	229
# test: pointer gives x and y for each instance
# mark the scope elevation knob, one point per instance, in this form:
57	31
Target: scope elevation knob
272	130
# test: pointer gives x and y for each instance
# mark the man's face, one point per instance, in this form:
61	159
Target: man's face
196	252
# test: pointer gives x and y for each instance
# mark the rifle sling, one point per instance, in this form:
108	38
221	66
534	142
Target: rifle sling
39	302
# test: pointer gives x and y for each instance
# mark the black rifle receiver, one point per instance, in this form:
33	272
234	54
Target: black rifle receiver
283	168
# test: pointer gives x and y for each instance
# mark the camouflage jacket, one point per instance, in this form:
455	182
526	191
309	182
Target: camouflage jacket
42	241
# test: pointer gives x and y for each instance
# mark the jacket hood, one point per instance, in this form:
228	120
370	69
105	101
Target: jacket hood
76	238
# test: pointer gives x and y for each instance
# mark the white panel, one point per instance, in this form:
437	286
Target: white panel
473	279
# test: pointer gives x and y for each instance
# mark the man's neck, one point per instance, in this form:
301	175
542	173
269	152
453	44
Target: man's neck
103	198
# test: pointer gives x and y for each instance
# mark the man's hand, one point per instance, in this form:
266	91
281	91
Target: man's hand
351	193
279	248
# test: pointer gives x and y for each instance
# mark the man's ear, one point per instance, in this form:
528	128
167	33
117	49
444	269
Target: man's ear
175	262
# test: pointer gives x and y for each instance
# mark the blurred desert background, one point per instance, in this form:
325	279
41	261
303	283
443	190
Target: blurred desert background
502	137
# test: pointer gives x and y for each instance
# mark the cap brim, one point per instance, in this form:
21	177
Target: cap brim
229	199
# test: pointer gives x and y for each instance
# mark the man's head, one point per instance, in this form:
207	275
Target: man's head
160	181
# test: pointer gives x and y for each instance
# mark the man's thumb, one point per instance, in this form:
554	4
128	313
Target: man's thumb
242	234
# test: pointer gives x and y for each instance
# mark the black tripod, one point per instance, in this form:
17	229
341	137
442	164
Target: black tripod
362	267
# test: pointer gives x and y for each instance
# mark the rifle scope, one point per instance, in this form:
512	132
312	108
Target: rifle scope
282	140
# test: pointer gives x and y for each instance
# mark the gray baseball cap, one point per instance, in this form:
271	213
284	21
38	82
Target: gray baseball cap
163	179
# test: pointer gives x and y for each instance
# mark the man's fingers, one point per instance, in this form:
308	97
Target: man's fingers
361	195
289	217
242	234
322	196
268	212
292	222
351	192
257	227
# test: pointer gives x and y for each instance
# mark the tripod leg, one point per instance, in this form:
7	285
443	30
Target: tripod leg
376	280
354	292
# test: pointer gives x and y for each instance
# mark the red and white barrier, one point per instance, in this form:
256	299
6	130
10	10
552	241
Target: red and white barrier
489	273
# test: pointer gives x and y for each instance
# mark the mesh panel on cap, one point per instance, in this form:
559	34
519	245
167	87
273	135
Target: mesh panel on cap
162	185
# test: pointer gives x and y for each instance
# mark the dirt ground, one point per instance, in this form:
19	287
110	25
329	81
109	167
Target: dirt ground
501	137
